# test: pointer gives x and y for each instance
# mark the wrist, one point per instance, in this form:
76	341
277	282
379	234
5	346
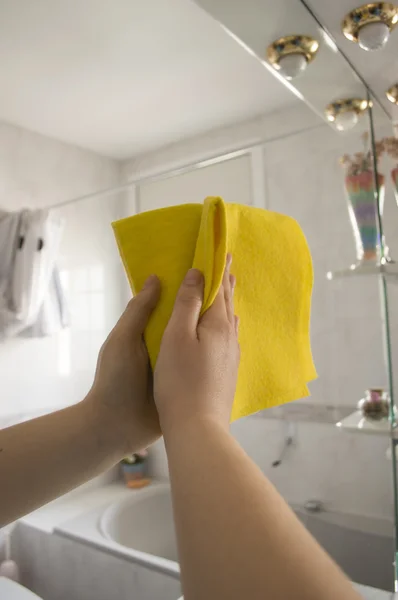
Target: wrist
105	426
184	429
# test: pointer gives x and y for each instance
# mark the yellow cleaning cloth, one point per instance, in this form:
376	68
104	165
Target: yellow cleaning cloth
272	265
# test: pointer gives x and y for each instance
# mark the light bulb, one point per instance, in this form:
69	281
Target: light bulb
291	65
373	36
346	120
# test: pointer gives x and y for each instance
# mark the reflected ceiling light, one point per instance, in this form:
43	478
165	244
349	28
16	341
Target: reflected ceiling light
345	113
265	64
370	25
290	54
392	94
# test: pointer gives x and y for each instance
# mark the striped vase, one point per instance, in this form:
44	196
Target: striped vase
394	177
362	207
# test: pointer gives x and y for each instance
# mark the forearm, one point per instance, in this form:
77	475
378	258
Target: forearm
237	537
46	457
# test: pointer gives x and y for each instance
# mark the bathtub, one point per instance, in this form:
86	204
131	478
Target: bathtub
138	526
144	525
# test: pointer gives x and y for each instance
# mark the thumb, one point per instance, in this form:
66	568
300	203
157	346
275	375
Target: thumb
189	300
140	308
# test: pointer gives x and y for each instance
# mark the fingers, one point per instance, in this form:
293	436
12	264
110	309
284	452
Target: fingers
236	324
189	301
228	286
229	283
218	308
140	308
222	309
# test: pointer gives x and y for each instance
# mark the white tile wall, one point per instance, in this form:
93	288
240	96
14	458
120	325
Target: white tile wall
222	141
230	179
41	374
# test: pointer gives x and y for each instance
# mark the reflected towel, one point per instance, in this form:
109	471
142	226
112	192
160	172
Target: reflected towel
273	267
29	242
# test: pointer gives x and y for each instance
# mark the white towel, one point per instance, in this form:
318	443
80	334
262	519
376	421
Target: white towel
9	233
32	302
53	314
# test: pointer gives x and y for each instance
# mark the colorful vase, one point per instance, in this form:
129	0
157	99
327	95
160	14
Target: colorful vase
394	177
362	207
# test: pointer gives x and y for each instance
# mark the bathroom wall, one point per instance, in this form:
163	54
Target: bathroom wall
298	173
221	141
42	374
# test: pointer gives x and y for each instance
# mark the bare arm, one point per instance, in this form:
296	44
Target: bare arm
46	457
237	537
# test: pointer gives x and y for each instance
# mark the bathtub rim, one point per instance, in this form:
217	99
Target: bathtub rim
85	529
139	496
115	507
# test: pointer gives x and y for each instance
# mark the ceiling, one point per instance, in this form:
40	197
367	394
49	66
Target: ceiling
127	78
135	76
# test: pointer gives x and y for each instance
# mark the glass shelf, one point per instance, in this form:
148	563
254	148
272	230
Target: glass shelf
388	268
306	412
357	422
339	416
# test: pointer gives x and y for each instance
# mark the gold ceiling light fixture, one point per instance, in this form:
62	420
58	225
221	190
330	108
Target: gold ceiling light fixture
291	54
370	25
345	113
392	93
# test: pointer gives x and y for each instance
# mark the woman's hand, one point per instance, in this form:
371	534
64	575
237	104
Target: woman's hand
196	372
122	394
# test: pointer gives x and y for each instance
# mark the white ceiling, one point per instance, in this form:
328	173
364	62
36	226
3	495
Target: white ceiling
135	76
122	77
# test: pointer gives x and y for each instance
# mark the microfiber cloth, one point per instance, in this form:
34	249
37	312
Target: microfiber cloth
273	268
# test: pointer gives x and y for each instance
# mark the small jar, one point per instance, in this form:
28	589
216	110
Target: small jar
134	469
135	475
376	404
